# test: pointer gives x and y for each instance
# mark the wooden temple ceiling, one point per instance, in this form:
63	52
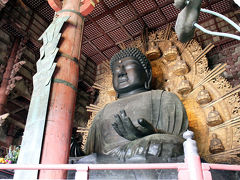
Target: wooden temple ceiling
119	21
112	23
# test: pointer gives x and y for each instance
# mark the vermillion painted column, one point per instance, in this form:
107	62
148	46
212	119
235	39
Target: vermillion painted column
6	76
57	136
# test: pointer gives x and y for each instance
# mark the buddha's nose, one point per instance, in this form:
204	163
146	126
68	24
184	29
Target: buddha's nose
122	70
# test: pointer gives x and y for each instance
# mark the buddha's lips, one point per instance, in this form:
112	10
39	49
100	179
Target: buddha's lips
122	79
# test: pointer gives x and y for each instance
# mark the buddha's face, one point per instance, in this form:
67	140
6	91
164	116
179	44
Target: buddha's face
128	75
214	136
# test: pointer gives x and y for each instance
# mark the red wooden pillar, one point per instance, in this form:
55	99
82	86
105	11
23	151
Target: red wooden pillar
3	4
4	84
56	145
6	75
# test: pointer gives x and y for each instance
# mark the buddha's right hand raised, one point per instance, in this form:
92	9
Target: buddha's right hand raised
125	128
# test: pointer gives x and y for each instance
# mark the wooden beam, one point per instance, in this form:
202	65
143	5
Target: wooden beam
24	106
17	110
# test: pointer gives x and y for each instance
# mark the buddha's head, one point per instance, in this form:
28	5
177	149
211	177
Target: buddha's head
214	136
131	72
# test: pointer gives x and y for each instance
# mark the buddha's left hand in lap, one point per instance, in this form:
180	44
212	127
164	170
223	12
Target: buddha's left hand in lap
141	147
154	145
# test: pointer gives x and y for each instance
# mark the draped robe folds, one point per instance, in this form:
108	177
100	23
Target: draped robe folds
162	109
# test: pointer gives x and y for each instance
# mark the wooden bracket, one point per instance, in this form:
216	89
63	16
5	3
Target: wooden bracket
88	6
85	9
56	5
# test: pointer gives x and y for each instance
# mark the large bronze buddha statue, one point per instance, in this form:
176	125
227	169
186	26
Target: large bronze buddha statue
142	123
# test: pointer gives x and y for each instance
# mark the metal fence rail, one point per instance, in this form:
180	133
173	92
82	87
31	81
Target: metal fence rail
190	169
184	169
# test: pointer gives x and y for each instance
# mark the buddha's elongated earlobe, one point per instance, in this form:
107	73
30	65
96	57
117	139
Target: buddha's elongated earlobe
147	84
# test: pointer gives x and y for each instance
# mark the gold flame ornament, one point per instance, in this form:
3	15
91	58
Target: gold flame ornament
111	92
